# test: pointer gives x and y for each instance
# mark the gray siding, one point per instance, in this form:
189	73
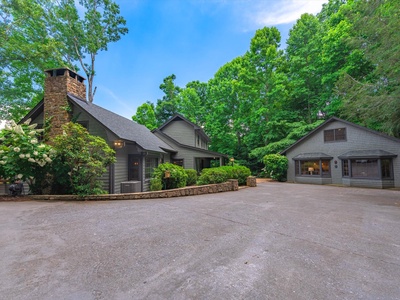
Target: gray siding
38	120
188	155
182	132
357	139
120	168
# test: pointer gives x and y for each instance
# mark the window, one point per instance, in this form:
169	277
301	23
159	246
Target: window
345	168
368	168
364	168
151	163
319	168
335	135
178	162
386	168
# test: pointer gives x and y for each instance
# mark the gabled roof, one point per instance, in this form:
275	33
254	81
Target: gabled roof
333	119
211	153
123	128
178	117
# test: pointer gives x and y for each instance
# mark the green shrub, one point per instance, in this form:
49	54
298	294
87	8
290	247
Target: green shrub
192	176
212	175
23	157
177	176
156	184
80	160
276	166
237	172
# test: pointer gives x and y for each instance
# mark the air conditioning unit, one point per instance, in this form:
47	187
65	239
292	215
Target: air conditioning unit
130	187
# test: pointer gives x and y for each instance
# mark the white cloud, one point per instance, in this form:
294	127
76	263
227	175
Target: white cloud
276	12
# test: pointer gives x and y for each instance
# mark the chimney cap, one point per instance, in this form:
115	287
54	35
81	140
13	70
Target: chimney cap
61	72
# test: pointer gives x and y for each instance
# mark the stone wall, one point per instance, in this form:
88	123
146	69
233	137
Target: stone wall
230	185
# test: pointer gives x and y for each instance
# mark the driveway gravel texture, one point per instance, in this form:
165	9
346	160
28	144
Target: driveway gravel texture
274	241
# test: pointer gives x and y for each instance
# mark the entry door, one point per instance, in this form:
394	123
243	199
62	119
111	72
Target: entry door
134	168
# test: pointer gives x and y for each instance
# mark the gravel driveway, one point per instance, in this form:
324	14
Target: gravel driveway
275	241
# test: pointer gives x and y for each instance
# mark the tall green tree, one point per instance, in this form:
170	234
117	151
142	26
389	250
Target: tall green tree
145	115
26	49
41	34
303	53
86	36
168	105
374	98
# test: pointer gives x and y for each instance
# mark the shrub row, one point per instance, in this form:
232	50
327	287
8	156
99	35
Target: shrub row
169	176
222	174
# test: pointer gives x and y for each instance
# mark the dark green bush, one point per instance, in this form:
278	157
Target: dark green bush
276	166
177	177
212	175
192	176
238	172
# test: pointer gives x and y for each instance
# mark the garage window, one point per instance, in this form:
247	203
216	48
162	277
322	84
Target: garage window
319	168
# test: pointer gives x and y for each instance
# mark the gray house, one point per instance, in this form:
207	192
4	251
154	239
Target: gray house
341	152
191	143
138	150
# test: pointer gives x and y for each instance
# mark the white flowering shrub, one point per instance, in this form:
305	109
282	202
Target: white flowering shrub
23	157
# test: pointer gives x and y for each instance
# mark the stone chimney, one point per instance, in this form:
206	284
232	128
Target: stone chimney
58	83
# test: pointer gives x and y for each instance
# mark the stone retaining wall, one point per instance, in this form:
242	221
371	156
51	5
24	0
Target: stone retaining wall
230	185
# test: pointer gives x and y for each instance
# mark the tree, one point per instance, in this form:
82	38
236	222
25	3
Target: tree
26	49
42	34
145	115
303	53
81	160
86	36
168	105
372	99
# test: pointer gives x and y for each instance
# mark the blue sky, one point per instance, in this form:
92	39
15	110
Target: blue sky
189	38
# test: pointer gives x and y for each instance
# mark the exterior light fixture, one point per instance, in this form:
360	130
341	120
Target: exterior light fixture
232	160
118	144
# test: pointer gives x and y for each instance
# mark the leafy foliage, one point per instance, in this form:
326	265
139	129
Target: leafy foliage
212	175
145	115
169	175
237	172
44	34
191	176
81	160
24	157
276	166
222	174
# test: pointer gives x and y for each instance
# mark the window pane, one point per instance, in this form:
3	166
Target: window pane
325	168
151	163
309	167
386	168
297	167
340	134
367	168
345	168
329	135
